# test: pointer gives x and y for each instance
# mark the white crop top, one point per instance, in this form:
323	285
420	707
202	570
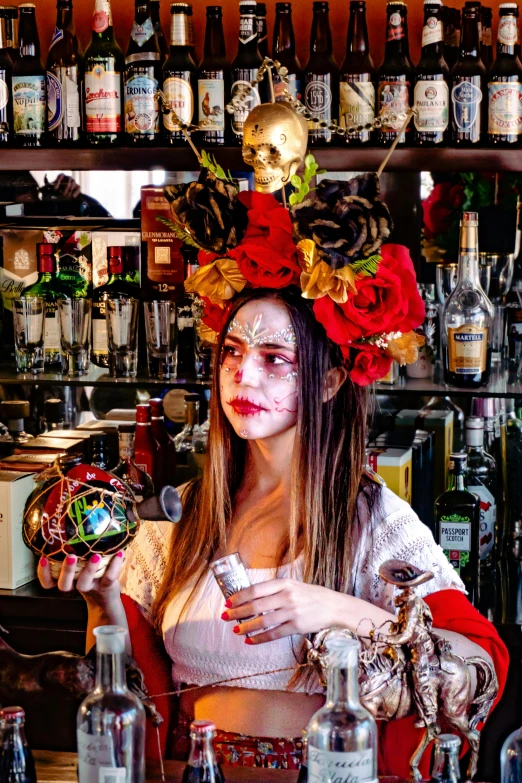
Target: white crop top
203	648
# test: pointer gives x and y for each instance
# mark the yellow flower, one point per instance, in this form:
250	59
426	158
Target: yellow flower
319	279
218	281
206	334
405	349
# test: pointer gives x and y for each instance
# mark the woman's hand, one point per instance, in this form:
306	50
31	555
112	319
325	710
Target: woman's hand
292	607
101	591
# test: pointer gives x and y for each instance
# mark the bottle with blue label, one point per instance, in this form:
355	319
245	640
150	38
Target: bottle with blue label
468	84
29	84
64	76
6	72
142	79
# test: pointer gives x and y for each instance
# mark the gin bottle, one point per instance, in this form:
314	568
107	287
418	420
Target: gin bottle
342	735
110	728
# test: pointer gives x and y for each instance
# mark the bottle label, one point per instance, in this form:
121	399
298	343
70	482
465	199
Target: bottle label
247	30
72	97
54	101
467	349
431	99
29	104
95	756
393	98
179	97
432	31
102	17
294	87
466	98
4	94
318	100
211	104
250	99
357	101
102	100
141	33
325	766
395	28
52	332
58	35
455	539
488	518
141	105
507	33
99	335
505	108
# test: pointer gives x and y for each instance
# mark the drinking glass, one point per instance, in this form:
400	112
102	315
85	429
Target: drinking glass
74	318
29	329
498	332
161	327
122	336
445	280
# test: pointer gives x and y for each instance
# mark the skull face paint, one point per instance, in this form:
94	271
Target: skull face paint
258	371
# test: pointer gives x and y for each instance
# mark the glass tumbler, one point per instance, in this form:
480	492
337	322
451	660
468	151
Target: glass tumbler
29	333
74	318
161	328
122	336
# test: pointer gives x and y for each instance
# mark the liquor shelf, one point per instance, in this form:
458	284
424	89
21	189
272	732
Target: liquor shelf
96	376
331	158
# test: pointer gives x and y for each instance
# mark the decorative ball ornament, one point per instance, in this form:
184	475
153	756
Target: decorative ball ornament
80	510
275	138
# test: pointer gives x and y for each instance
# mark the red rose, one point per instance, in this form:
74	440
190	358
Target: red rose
388	302
439	208
266	255
368	365
214	316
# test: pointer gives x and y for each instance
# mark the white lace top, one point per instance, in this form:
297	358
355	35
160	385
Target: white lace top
204	649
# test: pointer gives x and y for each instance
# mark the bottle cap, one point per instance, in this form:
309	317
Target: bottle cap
54	410
447	741
45	255
505	5
432	2
214	9
11	713
474	431
156	407
15	409
202	726
143	413
247	5
458	462
288	6
110	639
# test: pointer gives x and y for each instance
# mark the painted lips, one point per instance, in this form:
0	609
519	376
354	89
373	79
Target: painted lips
245	407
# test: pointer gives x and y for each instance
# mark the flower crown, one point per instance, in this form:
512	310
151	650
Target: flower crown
329	245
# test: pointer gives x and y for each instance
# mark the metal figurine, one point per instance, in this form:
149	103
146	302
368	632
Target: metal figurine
411	670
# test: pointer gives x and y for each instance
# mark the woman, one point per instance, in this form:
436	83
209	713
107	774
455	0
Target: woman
286	487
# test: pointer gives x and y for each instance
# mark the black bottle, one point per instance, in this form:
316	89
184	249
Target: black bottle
262	29
158	29
6	73
486	39
213	81
431	94
505	83
64	79
29	84
99	454
142	79
283	50
395	77
468	77
357	75
245	67
10	13
179	74
321	79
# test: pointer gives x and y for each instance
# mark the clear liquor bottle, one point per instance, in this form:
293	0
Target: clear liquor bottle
342	734
467	316
110	727
184	440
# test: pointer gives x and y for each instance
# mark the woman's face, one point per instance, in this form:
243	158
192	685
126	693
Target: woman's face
258	371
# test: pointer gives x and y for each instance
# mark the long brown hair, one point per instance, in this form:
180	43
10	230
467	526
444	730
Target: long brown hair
327	469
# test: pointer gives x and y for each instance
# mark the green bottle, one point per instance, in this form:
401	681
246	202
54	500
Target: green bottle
75	264
49	288
104	68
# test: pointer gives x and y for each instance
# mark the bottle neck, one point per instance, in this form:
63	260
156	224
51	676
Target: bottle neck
248	40
102	29
343	686
15	426
29	41
155	11
432	35
64	16
446	765
357	40
468	256
126	447
397	45
180	32
110	672
456	481
116	277
470	38
507	36
321	38
191	414
284	39
214	38
13	735
11	26
202	751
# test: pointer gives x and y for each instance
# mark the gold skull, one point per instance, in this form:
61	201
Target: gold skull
274	144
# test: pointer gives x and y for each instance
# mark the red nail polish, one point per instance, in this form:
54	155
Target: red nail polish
71	560
248	640
224	616
95	559
119	554
236	629
43	562
228	603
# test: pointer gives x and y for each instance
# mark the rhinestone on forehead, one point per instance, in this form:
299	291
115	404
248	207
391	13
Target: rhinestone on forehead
254	336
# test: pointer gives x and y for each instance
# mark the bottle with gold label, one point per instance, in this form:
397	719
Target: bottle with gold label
467	316
505	83
179	74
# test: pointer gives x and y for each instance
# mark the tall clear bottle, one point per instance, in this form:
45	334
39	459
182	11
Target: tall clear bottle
64	79
179	74
431	94
213	80
511	758
396	75
283	50
466	319
103	87
110	727
357	75
321	78
29	84
142	79
244	70
342	735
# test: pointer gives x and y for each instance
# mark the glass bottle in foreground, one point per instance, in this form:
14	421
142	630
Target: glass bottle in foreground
342	734
202	766
16	759
511	758
137	480
445	759
467	315
110	727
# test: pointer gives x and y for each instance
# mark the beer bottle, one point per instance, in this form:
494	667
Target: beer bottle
262	29
321	79
486	38
213	80
28	81
142	79
468	77
244	69
283	50
505	83
64	78
6	73
179	74
104	67
396	74
158	29
431	94
356	88
10	14
451	35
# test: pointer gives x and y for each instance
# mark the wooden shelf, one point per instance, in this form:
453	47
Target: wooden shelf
333	159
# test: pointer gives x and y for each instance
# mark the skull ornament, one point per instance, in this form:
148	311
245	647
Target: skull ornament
274	144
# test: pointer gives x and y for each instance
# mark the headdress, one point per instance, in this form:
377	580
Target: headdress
328	244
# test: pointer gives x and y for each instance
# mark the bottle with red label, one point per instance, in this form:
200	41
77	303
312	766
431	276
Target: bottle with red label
103	85
147	454
395	78
164	441
505	83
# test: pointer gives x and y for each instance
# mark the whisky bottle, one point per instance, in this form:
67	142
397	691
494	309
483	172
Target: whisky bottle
466	319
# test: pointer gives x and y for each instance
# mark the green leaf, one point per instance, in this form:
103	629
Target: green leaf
313	169
366	266
321	171
304	189
296	180
184	236
309	159
293	199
